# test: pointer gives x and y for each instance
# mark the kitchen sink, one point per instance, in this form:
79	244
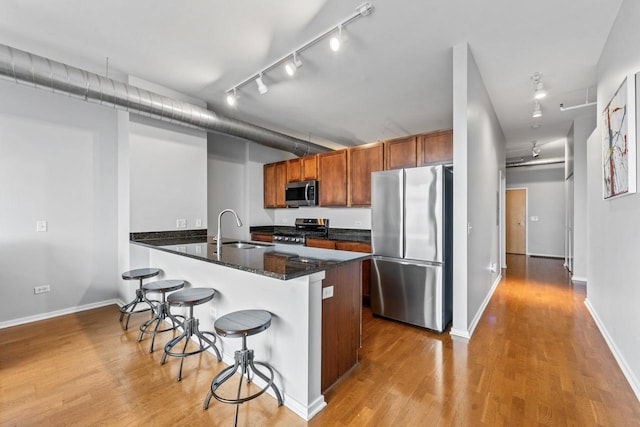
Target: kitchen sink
244	245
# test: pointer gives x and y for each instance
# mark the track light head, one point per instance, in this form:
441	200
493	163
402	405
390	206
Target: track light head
262	88
232	98
292	66
334	42
537	111
535	151
538	87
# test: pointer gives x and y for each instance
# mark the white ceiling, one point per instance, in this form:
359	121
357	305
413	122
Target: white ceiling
393	76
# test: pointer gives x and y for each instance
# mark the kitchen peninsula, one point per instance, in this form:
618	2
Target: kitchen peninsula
313	294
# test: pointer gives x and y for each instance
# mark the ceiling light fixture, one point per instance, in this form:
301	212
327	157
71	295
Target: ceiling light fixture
293	65
334	43
537	111
232	97
262	88
291	61
538	87
535	152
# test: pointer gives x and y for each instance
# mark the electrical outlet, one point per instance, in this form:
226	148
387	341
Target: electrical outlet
213	312
181	223
327	292
198	222
41	226
534	218
358	223
42	289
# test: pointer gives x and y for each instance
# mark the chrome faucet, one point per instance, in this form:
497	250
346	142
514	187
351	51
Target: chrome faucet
219	235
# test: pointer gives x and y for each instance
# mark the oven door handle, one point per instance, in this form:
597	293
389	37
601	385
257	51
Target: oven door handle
306	193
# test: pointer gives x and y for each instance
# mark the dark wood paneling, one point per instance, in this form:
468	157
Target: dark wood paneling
341	317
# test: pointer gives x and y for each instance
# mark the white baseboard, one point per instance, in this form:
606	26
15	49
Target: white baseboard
624	366
56	313
472	327
546	255
579	280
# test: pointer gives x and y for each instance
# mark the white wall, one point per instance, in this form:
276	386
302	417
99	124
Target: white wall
168	172
613	293
582	128
58	162
478	157
545	186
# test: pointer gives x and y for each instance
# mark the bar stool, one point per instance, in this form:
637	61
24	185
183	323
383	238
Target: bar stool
242	324
162	311
190	298
139	274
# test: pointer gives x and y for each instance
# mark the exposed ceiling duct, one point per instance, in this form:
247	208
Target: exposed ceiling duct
516	163
40	72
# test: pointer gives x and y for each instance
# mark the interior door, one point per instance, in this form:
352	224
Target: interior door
516	222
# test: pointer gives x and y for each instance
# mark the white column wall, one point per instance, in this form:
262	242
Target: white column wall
613	226
58	163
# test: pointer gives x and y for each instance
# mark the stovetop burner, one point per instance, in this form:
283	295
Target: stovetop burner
304	227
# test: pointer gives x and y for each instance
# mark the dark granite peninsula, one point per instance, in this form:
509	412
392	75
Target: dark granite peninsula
306	289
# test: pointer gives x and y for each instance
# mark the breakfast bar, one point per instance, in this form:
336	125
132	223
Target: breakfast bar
298	285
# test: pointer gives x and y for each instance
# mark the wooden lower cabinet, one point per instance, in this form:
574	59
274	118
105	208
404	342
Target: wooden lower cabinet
341	323
342	245
257	237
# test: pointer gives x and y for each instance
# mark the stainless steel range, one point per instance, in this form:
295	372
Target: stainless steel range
304	227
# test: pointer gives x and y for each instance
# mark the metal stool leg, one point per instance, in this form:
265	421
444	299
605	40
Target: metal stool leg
130	308
191	328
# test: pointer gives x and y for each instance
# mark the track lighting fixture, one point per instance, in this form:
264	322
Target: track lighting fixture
262	88
292	62
232	97
538	87
292	66
334	43
535	151
537	111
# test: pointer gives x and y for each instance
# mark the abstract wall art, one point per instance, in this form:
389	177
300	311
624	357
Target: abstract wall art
619	141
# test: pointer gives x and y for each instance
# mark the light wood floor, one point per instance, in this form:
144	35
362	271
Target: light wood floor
536	358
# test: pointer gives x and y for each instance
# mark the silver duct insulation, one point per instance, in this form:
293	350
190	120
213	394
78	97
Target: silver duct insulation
536	162
40	72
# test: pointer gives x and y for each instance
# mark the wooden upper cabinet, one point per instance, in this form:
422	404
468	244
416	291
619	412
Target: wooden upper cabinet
309	167
401	153
333	178
294	170
363	160
436	148
269	185
281	181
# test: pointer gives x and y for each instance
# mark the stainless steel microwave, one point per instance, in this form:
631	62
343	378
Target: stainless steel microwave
303	193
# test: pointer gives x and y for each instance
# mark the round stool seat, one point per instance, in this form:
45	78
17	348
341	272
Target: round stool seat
244	322
140	273
163	286
191	297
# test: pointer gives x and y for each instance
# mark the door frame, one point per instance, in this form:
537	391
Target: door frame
526	217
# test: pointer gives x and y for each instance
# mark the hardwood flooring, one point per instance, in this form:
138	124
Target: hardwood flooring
536	358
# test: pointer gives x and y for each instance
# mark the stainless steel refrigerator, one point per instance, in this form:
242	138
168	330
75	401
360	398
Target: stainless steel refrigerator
412	234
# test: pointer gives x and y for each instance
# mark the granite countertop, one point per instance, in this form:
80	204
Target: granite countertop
280	261
344	234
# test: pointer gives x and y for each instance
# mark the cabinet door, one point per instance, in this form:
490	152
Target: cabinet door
309	167
321	243
363	160
401	153
257	237
436	148
353	246
281	181
333	178
294	170
269	185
